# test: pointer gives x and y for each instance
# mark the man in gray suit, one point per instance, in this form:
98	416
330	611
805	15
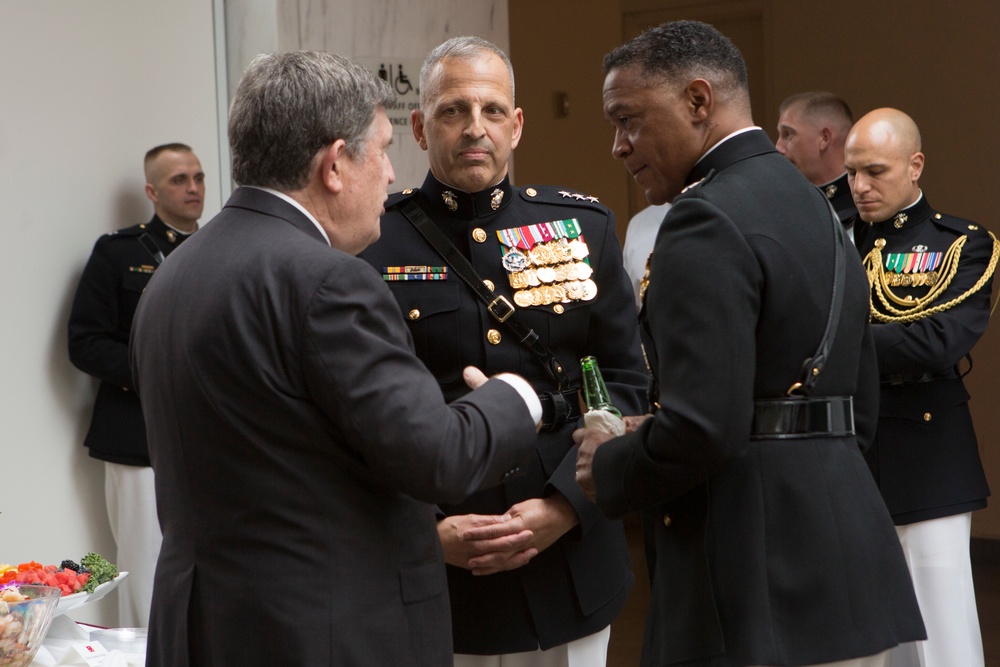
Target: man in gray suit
298	443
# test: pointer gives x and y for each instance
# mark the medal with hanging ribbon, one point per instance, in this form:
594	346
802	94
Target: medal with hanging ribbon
547	263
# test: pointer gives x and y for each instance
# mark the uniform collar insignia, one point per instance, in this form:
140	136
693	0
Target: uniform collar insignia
830	191
496	197
448	197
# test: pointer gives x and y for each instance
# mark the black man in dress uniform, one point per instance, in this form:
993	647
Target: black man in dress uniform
930	277
812	129
535	572
99	324
772	543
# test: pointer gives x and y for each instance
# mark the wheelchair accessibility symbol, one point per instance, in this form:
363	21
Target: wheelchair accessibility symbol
399	81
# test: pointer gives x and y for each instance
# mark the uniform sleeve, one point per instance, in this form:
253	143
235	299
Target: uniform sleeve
866	393
95	344
703	323
362	370
938	342
613	337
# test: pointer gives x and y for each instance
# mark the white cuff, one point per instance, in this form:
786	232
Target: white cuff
528	394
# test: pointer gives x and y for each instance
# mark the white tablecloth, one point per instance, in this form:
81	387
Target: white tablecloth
57	649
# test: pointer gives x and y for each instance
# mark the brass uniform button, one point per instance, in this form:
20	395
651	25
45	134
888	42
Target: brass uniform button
937	216
531	192
408	191
489	285
927	416
667	520
479	235
493	336
414	314
558	308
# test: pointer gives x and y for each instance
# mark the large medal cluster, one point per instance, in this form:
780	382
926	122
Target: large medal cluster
547	263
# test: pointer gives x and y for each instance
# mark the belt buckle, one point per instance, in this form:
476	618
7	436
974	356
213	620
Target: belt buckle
501	300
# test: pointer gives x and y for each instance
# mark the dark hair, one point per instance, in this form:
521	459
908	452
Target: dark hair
156	150
289	106
821	103
685	49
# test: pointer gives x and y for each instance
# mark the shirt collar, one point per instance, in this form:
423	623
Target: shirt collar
282	195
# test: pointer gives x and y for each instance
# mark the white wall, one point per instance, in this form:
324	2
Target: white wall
85	89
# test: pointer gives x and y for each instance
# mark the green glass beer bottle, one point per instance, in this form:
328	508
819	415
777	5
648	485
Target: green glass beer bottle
595	393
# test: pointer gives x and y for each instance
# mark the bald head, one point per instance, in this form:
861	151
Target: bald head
884	163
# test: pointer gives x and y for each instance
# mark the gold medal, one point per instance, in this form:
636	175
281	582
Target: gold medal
582	270
523	298
546	274
537	255
531	275
579	249
574	290
518	280
589	290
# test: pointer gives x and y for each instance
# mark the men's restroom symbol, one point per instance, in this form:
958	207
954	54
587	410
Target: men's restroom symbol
401	82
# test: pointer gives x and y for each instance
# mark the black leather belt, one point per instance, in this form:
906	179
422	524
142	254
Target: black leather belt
788	418
559	408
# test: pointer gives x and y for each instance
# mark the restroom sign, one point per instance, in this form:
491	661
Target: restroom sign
402	75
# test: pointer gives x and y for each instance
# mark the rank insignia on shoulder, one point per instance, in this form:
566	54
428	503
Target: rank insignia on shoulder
144	268
692	185
406	273
547	263
577	196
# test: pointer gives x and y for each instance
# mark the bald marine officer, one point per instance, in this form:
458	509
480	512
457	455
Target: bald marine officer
930	275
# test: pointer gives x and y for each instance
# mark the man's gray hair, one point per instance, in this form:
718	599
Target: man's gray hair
289	106
463	49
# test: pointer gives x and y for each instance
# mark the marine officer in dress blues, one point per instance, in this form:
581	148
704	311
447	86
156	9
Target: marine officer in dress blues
534	568
930	276
99	324
812	129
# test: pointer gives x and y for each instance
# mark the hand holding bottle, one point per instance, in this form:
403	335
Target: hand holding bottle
601	414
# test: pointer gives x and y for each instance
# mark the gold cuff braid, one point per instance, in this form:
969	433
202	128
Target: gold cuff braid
915	309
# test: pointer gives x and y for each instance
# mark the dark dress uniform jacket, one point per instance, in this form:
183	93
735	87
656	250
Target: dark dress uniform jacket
925	456
579	584
298	445
99	323
838	192
768	552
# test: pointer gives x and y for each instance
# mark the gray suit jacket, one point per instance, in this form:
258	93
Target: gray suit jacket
298	445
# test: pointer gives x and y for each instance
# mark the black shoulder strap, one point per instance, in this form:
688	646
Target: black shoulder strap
812	367
498	306
150	245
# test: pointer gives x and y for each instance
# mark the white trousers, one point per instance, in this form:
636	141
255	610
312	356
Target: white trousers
937	552
131	500
879	660
589	651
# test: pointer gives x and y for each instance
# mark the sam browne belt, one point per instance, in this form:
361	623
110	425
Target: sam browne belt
800	415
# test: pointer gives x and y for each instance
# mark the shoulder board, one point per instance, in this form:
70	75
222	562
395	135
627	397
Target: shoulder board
693	188
134	230
547	194
398	198
966	227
